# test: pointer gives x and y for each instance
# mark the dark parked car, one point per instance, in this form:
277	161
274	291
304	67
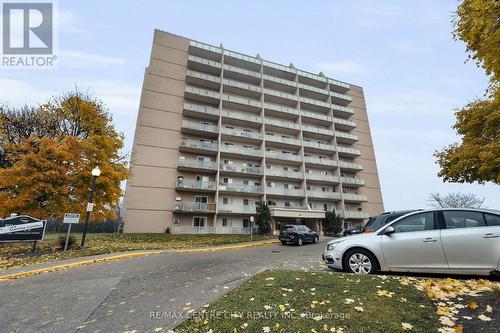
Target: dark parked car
376	222
298	234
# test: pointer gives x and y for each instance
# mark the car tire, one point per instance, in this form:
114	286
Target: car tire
283	242
300	241
359	261
316	240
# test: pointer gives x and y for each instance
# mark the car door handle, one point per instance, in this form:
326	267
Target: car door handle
430	240
490	236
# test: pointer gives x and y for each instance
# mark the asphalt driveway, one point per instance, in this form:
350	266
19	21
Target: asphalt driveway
145	294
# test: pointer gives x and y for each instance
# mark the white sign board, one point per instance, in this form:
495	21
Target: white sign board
71	218
90	207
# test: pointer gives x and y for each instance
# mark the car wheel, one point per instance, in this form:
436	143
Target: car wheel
283	242
359	262
300	242
316	240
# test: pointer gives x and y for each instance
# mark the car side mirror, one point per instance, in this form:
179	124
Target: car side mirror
389	230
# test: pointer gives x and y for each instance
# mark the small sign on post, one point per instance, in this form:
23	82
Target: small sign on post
90	207
70	218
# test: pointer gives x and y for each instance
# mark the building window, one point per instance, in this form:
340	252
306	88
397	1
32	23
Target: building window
226	222
246	223
199	221
225	201
245	202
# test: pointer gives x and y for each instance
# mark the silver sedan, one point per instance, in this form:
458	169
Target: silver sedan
463	241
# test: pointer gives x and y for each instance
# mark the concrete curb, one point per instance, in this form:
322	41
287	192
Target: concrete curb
84	262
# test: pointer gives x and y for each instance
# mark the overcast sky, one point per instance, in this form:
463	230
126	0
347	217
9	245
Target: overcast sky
401	52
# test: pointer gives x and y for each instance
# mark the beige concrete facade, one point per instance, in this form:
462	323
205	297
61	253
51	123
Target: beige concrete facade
218	131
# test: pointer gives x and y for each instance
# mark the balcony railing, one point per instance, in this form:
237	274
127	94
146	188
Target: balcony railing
315	102
344	123
339	84
188	143
352	214
279	67
202	92
315	115
311	76
203	76
343	136
279	80
201	108
241	85
283	156
241	71
350	166
319	145
188	163
352	181
199	126
241	116
239	209
321	161
354	197
194	207
195	184
284	173
280	108
280	94
240	188
241	150
323	178
314	89
240	100
241	169
241	133
323	195
342	109
242	57
292	192
280	139
205	46
348	151
204	61
318	130
282	123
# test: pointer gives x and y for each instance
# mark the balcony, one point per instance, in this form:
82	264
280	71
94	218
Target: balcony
281	111
240	188
202	95
247	103
244	117
317	130
323	195
319	146
193	207
198	110
202	64
278	67
188	184
342	111
352	182
284	142
197	146
340	99
316	104
338	86
196	165
348	166
240	169
236	209
205	47
191	127
288	192
283	156
346	137
245	88
285	174
242	74
352	197
321	162
323	118
317	177
280	97
250	135
313	89
239	151
284	82
348	152
344	124
283	124
203	79
353	215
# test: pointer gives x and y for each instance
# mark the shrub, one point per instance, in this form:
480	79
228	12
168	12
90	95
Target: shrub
61	241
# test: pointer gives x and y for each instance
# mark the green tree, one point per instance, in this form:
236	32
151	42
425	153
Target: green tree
47	172
332	224
477	157
263	219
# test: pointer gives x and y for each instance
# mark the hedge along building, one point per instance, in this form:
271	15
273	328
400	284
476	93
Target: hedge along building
218	131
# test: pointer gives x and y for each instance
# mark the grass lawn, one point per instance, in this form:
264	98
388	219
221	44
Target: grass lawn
289	301
19	254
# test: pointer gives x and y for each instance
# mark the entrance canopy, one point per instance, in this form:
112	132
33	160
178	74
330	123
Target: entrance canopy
296	213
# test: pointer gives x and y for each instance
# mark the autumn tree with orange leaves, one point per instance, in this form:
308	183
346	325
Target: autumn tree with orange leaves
47	153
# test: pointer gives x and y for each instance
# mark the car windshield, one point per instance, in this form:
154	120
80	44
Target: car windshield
374	223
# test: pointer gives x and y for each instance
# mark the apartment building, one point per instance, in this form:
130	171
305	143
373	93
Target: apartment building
218	131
